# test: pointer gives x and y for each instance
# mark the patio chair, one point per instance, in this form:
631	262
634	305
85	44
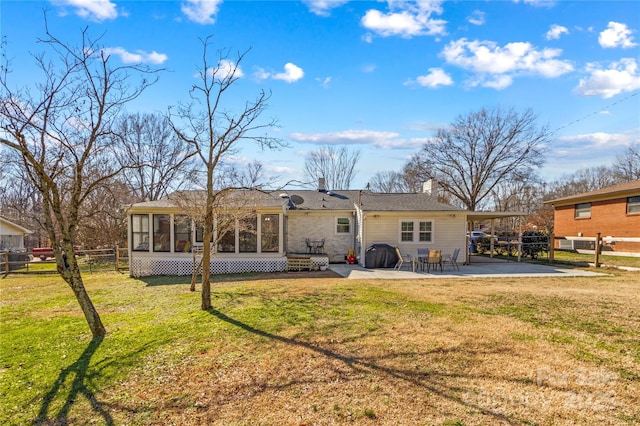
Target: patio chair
423	256
401	260
435	259
452	260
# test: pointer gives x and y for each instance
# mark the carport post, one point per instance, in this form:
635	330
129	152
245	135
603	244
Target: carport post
598	241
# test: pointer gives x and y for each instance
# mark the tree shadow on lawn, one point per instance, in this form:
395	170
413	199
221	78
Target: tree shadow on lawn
159	280
81	386
359	364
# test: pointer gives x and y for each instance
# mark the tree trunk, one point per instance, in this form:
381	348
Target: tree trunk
68	268
194	277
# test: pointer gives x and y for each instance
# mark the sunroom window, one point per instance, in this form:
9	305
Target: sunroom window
161	232
140	232
269	232
182	233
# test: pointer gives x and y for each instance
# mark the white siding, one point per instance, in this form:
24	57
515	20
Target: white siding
448	231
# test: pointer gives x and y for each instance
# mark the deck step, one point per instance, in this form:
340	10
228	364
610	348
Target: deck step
299	263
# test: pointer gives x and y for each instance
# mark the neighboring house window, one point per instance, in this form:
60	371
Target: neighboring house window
343	225
406	231
249	235
583	211
140	232
633	205
161	232
269	232
182	233
416	231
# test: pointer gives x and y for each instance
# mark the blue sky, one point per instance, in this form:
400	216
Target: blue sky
377	76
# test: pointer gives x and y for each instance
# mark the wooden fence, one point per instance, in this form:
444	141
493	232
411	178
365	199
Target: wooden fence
26	262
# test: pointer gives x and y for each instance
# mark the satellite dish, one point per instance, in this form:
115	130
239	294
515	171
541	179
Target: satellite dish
297	200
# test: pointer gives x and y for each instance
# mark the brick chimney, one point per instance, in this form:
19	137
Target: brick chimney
321	185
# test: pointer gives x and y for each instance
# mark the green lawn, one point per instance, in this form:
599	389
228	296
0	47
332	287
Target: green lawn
313	348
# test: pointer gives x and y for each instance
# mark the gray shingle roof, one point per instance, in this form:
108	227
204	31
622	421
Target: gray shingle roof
610	192
318	200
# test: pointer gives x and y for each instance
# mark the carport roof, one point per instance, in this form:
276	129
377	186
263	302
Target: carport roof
492	215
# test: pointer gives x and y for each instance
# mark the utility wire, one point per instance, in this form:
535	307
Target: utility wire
619	101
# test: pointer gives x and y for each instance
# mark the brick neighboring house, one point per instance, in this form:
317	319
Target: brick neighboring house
613	211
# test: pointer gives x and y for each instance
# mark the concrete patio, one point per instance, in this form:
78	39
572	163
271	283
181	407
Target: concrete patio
492	268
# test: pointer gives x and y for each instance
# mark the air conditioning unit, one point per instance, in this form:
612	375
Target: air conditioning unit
566	245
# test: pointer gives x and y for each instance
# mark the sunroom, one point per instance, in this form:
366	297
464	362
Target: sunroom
164	240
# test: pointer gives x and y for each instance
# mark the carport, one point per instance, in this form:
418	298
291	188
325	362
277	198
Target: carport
492	216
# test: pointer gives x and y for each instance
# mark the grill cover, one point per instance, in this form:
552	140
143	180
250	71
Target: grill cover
380	256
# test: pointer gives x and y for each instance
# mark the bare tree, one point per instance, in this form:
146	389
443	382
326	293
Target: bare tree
582	180
155	161
388	182
215	132
627	166
63	136
335	165
481	149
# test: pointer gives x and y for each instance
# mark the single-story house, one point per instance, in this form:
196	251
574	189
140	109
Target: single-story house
12	235
325	224
614	212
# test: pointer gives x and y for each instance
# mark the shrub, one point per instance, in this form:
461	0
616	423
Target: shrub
534	243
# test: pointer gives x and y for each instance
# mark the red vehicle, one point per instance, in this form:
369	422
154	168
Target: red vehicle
45	253
42	252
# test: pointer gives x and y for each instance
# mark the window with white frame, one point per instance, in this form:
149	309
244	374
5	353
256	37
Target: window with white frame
583	211
425	233
161	232
140	232
633	205
343	225
416	231
181	233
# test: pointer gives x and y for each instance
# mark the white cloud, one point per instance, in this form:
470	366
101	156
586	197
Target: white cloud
436	77
368	68
538	3
476	18
496	66
405	19
380	139
137	57
261	74
324	82
291	74
225	69
621	76
201	11
616	35
94	10
597	139
555	31
323	7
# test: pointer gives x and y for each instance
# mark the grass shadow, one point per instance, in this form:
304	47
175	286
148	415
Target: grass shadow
160	280
79	387
361	364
